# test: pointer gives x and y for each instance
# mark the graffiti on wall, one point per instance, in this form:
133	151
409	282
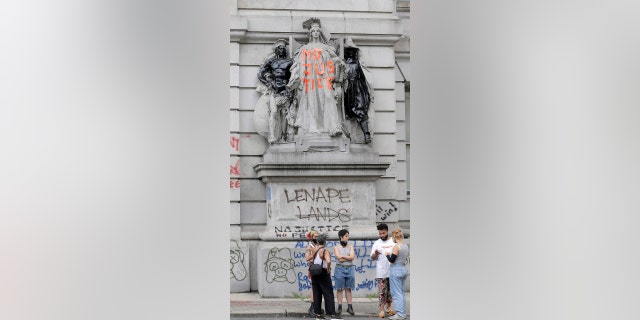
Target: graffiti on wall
234	172
364	267
384	211
300	232
238	269
321	204
234	143
279	266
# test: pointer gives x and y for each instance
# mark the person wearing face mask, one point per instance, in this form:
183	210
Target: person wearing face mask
344	274
309	253
378	251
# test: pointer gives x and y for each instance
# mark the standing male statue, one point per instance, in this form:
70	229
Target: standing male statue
274	75
358	93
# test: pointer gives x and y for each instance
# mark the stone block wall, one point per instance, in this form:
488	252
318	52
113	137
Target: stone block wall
381	32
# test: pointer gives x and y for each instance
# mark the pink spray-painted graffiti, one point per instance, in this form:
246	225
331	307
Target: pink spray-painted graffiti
234	170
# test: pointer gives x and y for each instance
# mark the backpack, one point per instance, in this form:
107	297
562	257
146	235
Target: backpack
315	269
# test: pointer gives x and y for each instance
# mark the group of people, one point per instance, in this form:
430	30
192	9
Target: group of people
390	254
303	94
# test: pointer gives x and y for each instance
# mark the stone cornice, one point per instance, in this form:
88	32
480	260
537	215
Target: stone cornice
238	27
321	171
359	39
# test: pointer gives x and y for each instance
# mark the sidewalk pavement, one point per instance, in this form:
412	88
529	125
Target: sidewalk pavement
253	305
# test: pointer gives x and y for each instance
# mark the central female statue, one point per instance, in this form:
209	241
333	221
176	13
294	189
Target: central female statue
315	69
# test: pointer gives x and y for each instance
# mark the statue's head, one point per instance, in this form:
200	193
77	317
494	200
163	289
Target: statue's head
350	49
315	30
280	48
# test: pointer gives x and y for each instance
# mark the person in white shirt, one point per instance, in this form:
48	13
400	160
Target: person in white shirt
378	250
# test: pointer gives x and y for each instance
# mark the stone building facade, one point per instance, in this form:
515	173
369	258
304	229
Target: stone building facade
380	28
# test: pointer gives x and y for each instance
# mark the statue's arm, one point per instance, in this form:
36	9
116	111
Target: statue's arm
264	73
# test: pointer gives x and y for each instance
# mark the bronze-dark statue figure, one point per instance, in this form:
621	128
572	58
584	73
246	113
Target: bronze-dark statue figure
274	74
358	93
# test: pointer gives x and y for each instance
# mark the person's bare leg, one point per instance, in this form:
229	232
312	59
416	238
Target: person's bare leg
339	296
349	300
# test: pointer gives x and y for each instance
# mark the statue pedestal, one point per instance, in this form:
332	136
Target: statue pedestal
320	190
324	189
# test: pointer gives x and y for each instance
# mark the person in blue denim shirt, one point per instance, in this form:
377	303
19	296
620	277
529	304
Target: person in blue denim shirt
344	274
398	273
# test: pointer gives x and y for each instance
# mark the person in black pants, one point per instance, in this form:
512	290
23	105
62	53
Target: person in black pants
321	284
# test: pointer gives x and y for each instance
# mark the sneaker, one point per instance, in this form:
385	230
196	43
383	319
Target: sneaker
350	311
394	317
336	317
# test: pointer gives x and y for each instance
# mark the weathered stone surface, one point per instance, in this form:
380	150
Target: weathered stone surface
234	53
405	66
386	188
400	111
401	173
234	76
383	78
385	122
234	213
384	144
399	89
254	54
239	277
391	160
248	76
248	97
254	212
381	26
246	121
402	190
405	210
234	231
378	56
246	166
401	152
234	121
234	98
269	21
234	191
252	190
252	144
385	100
337	5
401	134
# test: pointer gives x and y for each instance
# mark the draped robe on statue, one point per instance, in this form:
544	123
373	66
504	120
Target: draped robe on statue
312	73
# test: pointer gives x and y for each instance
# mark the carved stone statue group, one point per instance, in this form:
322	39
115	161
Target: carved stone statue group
304	95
